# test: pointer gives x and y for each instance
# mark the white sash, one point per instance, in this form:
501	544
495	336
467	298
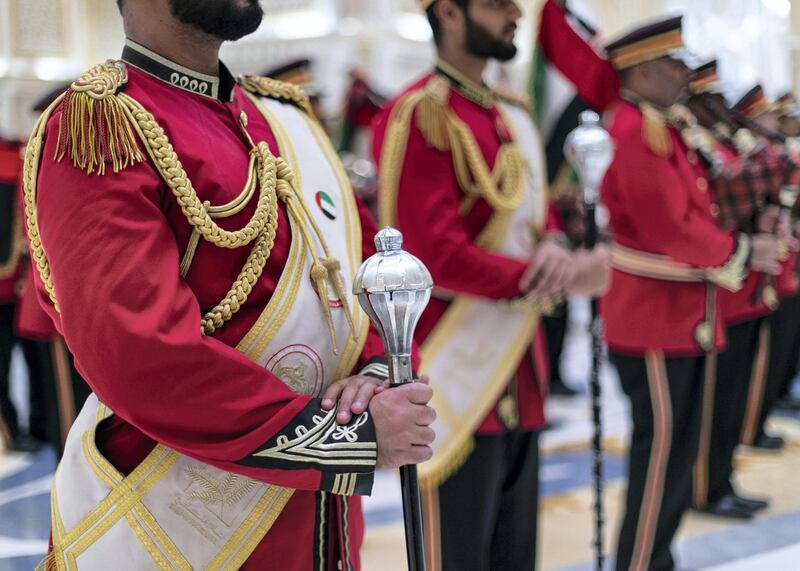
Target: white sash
174	512
476	347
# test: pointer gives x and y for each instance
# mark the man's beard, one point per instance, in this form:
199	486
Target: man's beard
481	43
224	19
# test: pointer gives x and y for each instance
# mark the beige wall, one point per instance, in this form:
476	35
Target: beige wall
47	42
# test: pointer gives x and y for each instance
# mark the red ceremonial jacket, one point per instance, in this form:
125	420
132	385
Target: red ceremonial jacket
659	205
114	243
434	230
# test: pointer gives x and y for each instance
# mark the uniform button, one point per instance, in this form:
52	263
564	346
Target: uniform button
702	184
691	156
714	210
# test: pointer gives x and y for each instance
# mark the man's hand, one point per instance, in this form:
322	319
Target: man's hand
353	395
765	254
402	420
592	272
550	272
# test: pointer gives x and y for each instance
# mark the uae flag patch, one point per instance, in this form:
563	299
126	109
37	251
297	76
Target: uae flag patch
326	204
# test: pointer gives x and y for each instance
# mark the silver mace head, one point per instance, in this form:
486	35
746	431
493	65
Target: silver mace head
393	288
589	149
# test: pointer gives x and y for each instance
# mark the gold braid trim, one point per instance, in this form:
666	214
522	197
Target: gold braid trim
94	130
274	89
512	98
166	162
261	227
432	113
502	187
30	173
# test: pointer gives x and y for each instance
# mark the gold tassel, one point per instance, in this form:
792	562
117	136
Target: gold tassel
457	459
94	129
334	271
319	275
655	131
191	250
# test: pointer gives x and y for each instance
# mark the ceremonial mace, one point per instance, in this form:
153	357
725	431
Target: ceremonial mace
589	149
393	288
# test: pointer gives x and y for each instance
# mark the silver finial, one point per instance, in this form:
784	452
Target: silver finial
389	240
393	288
589	149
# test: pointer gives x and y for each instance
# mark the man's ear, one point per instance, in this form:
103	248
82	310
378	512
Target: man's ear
449	14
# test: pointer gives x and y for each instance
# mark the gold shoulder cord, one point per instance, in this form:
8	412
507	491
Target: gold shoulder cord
97	127
268	87
502	187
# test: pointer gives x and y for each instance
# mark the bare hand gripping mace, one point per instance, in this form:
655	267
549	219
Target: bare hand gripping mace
590	150
393	288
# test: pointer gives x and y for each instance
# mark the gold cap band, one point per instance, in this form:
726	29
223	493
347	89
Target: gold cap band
425	3
646	50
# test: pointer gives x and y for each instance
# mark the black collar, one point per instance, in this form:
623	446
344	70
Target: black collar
213	87
479	93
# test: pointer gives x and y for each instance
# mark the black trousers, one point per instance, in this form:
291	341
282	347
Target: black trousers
484	517
783	355
56	389
58	396
740	370
9	423
666	405
555	328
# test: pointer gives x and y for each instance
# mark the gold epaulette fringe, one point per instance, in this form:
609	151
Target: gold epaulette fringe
274	89
94	129
432	113
512	98
655	130
456	460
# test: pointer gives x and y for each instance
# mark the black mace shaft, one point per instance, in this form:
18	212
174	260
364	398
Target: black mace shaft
412	518
595	328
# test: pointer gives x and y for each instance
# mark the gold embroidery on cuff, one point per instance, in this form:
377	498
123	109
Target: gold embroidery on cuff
326	443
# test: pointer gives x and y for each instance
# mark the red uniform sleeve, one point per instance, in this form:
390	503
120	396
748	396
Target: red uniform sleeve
654	206
133	325
592	75
428	198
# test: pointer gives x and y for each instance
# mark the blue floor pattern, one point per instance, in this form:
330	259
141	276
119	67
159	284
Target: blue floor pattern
24	500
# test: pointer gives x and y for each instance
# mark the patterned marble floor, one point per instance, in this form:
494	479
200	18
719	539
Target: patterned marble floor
769	542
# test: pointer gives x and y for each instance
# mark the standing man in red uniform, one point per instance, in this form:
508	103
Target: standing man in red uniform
195	239
744	187
661	311
461	173
756	111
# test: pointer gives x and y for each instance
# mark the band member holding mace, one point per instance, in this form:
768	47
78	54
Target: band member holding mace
196	241
461	175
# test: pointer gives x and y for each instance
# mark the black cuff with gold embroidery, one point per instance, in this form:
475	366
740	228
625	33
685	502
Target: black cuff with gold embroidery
313	440
377	368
